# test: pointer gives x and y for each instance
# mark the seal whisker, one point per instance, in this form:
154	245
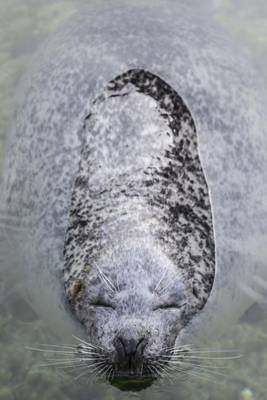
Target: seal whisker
110	372
92	371
200	369
103	370
51	351
198	366
179	372
88	345
105	279
181	349
200	355
208	370
97	364
63	362
60	365
169	367
183	357
163	291
93	354
89	356
65	359
188	349
165	373
77	358
83	349
206	354
156	370
191	351
151	370
71	366
57	345
195	364
94	366
159	282
203	350
199	374
79	376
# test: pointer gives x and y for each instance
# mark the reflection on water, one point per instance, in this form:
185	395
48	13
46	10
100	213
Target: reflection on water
24	24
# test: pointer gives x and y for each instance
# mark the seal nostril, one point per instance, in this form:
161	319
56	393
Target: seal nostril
141	346
118	344
130	347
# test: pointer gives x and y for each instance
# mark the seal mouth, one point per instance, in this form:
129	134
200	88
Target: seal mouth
131	370
132	377
133	383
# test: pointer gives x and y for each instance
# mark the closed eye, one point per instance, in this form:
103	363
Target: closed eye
102	304
167	307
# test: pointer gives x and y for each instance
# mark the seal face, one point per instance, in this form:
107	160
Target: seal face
139	247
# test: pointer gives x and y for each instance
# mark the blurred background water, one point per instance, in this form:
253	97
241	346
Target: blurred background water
24	25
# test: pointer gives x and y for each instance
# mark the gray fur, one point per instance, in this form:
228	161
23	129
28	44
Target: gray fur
140	185
51	131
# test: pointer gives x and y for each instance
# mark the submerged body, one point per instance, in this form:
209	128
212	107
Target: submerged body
136	176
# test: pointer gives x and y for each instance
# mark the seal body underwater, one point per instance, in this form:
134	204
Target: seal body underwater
136	183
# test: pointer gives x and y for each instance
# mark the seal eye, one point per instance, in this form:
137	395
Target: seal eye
167	307
102	304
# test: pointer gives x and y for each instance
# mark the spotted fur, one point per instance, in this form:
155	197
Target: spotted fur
140	177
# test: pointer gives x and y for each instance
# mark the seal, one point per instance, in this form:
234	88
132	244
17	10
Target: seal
139	249
135	181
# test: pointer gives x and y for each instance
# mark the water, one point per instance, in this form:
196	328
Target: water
24	25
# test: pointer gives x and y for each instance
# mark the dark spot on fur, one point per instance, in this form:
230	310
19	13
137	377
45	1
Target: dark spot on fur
75	291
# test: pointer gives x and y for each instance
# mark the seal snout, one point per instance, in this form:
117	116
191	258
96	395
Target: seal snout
129	354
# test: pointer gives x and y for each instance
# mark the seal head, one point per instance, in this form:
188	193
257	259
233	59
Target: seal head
133	308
